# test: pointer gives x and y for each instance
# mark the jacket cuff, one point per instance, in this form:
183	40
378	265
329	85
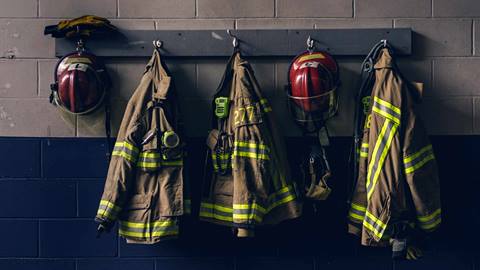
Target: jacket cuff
242	232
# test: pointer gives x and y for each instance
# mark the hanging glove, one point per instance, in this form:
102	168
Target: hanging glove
79	27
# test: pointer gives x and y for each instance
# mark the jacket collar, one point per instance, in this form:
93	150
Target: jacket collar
385	60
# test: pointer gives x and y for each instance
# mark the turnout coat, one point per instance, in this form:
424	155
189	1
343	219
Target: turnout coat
248	180
398	180
145	186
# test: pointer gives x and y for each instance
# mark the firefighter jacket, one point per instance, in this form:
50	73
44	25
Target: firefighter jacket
248	180
145	187
398	182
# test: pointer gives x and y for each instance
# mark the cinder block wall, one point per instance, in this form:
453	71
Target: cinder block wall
49	187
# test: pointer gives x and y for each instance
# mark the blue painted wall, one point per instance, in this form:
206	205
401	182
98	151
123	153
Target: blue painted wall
49	192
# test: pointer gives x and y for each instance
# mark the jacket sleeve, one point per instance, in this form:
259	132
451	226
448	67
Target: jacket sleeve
121	170
420	171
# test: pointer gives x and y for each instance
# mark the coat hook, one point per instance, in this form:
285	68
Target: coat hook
157	44
384	43
235	39
310	43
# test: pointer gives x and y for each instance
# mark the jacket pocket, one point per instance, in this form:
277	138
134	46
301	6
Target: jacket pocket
139	201
137	208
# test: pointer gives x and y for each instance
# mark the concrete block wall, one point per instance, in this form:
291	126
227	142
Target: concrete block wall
52	170
445	57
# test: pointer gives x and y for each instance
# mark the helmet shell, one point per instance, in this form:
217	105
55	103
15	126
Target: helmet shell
312	76
80	83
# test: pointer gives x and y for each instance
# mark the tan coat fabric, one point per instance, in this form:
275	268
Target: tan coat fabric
256	187
144	190
398	179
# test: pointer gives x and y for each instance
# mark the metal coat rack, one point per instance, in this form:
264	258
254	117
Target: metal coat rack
211	43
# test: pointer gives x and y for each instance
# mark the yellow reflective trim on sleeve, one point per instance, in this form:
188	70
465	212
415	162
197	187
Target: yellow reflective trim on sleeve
376	220
110	205
387	104
363	154
124	155
358	207
355	216
431	226
411	157
126	145
430	216
372	229
419	164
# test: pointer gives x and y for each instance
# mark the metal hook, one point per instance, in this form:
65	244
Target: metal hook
157	44
310	43
235	39
384	43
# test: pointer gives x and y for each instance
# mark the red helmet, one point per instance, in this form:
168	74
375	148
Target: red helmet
80	83
312	82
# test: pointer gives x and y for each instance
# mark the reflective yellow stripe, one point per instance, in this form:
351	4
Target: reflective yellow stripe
411	157
358	207
250	155
110	205
159	164
147	234
372	229
222	156
124	155
419	164
386	115
431	216
383	155
250	145
216	216
165	223
253	206
376	220
387	104
218	207
126	145
282	201
150	155
247	217
431	225
355	216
